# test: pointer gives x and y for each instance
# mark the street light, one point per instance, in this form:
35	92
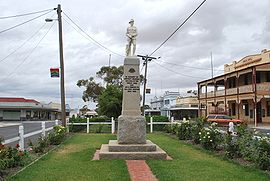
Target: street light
62	78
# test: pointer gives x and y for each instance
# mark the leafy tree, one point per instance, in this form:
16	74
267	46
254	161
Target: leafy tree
92	91
110	97
111	75
110	101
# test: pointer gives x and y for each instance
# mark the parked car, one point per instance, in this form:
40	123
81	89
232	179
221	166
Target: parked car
222	119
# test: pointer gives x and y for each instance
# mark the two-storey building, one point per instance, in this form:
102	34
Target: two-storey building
243	91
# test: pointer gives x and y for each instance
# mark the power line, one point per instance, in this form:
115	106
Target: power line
25	14
181	65
24	22
178	28
176	72
92	39
32	50
33	35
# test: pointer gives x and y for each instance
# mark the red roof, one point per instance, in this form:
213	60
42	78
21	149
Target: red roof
9	99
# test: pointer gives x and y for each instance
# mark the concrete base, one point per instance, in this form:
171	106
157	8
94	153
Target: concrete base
148	151
114	146
131	130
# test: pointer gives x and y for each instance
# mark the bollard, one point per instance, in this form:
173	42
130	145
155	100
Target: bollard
87	126
151	124
172	119
113	125
43	134
21	133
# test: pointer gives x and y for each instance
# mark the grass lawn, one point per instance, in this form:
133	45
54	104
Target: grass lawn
72	161
190	163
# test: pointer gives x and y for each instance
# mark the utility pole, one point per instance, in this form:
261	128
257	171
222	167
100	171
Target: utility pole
146	59
62	70
62	78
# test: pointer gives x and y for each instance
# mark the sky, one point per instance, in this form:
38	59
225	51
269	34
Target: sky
230	29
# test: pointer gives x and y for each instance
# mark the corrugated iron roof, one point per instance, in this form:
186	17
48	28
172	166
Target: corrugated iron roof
16	99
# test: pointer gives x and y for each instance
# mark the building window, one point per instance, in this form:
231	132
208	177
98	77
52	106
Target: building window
267	76
167	102
246	109
233	109
268	108
258	77
246	79
251	113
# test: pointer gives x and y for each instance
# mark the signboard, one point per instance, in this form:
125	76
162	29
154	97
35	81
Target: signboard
54	72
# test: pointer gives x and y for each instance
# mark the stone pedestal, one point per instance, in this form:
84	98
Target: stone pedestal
131	143
131	130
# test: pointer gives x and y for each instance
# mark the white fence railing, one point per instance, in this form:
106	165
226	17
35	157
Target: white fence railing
164	123
22	136
87	124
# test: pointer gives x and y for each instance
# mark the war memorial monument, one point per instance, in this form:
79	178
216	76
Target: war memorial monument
131	143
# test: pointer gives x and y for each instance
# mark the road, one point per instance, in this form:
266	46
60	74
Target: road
10	130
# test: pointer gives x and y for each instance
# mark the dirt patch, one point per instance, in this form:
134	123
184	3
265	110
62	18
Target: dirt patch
67	149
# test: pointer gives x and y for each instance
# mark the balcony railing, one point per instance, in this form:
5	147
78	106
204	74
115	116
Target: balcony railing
220	93
231	91
263	87
245	89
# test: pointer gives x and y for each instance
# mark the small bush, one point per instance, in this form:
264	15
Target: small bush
196	127
157	127
184	130
42	144
210	137
171	128
58	135
79	128
262	156
231	146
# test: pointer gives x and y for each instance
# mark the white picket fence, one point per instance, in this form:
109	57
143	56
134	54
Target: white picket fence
21	136
88	123
156	123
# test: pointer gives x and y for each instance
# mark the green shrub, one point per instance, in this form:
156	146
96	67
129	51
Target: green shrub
246	144
196	127
79	128
42	144
11	157
231	147
157	127
262	156
184	130
97	128
210	137
58	135
171	128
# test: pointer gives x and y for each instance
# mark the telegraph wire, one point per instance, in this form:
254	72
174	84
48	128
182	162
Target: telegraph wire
92	39
25	14
178	28
25	22
27	40
32	50
181	65
175	71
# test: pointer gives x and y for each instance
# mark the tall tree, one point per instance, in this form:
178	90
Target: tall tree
92	89
110	101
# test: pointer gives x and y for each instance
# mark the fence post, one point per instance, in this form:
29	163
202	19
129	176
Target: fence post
151	124
56	122
21	133
113	125
43	134
87	125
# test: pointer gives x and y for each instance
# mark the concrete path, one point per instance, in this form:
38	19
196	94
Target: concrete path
140	171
